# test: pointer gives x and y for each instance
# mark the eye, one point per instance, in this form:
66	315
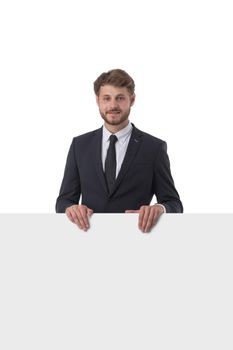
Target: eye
106	98
120	98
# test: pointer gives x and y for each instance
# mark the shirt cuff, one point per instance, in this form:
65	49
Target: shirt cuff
164	209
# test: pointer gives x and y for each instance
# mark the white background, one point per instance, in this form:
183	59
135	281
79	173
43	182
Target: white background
178	52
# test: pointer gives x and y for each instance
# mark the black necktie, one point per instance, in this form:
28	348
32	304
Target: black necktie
110	163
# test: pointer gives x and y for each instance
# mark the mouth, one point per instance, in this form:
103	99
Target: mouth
113	112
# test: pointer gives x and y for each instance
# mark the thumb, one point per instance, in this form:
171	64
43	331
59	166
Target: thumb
89	212
132	211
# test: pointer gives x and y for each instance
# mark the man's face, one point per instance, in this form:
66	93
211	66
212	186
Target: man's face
114	104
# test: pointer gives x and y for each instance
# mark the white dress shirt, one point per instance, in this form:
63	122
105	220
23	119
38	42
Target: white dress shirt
121	145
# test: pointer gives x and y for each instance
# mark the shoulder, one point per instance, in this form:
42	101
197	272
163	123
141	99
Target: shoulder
87	137
149	139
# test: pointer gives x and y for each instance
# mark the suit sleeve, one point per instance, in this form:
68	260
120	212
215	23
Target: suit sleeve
164	187
70	188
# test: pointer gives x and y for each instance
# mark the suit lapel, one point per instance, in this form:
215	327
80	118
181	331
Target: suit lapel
97	157
133	146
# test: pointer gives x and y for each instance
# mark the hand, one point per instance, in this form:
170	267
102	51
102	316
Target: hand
79	215
148	216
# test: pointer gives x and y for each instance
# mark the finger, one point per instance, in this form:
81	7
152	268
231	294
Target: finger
84	218
74	214
156	215
141	217
69	215
145	218
89	212
78	217
151	219
132	211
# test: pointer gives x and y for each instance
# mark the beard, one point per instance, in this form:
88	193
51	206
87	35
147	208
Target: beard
119	118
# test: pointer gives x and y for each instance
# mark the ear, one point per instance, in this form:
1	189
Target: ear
132	99
97	99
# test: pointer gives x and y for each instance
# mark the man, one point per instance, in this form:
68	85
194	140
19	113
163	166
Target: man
117	168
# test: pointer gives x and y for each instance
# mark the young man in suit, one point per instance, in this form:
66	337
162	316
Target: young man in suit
117	168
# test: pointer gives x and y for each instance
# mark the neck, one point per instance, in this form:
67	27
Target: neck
113	129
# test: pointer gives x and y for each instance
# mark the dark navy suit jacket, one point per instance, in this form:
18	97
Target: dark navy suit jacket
145	172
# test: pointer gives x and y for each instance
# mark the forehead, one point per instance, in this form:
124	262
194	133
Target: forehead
113	90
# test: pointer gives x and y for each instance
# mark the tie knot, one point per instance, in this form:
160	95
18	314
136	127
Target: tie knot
113	139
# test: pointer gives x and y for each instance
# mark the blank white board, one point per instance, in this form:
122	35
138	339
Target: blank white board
114	287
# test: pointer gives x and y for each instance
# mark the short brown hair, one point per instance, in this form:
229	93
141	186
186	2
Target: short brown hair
115	77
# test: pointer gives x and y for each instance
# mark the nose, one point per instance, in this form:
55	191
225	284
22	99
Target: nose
113	104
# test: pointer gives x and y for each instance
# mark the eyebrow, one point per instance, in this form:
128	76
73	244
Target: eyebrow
106	95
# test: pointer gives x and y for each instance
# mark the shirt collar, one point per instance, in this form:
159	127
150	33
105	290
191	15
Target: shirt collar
121	135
